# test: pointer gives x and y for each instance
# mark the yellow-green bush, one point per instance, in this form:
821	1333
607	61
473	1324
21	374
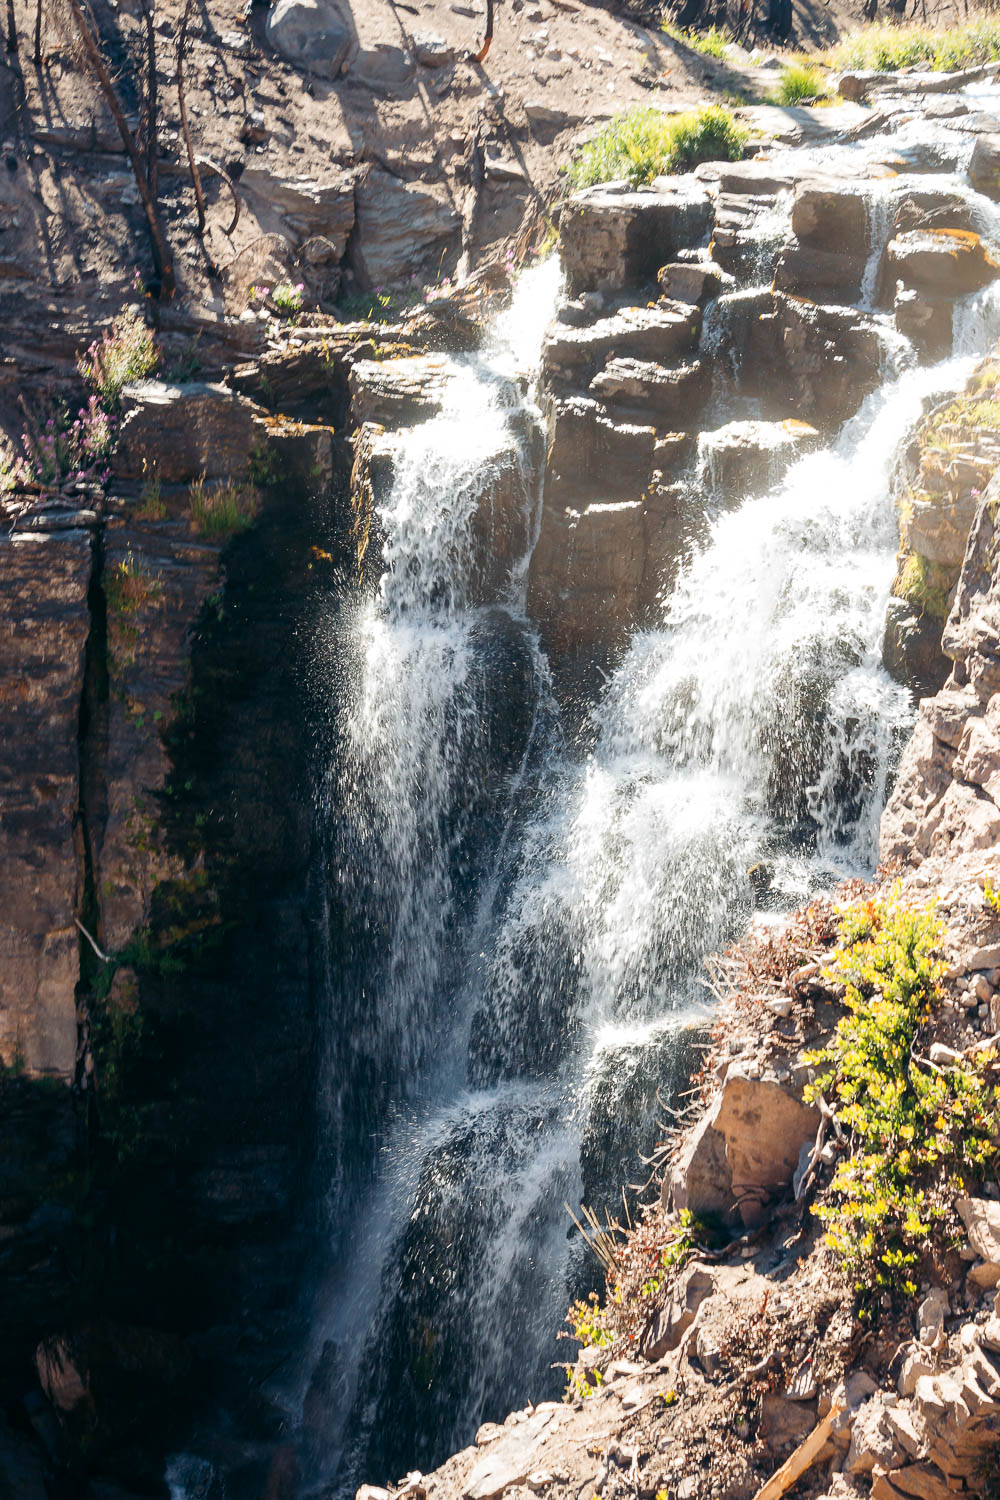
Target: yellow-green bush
917	1131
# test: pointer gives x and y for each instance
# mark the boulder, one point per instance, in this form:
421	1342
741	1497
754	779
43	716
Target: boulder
613	239
784	1423
402	228
691	281
673	397
981	1217
380	66
984	166
311	34
313	209
179	432
911	649
744	1152
810	361
515	1456
925	320
832	216
941	262
746	458
398	392
592	456
811	271
431	50
659	334
669	1323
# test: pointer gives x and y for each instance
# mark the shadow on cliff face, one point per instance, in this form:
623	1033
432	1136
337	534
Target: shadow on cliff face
154	1217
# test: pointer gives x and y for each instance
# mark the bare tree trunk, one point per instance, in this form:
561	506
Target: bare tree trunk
161	254
11	27
37	55
199	196
151	104
487	42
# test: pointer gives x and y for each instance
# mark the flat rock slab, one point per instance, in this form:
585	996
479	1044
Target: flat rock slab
658	334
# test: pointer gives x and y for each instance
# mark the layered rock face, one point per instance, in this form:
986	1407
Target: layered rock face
949	463
159	786
947	795
45	625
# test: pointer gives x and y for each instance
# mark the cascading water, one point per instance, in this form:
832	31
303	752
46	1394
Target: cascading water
518	972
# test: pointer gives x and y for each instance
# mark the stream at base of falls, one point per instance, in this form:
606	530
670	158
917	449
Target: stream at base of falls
519	917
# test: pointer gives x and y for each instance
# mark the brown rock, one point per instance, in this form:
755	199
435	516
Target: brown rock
674	397
669	1323
784	1423
613	239
981	1217
401	227
745	458
762	1128
179	432
44	625
690	281
941	262
659	334
397	392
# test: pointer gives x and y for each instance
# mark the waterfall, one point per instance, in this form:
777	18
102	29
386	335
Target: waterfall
515	975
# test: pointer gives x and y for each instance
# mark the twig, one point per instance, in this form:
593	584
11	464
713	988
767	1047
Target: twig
213	166
102	956
803	1458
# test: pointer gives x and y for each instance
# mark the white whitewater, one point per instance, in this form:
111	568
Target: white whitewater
527	997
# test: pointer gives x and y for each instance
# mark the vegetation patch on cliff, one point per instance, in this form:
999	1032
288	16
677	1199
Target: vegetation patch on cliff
645	143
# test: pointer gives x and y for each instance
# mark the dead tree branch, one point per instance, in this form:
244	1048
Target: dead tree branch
199	196
161	254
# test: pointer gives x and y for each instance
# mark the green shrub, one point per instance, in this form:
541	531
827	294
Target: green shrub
887	48
916	1130
799	81
644	144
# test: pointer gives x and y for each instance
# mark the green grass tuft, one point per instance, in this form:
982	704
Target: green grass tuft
798	82
644	144
712	43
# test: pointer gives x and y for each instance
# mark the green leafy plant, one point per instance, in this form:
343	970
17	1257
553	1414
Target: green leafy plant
798	82
991	896
221	511
644	144
130	588
263	468
916	1129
